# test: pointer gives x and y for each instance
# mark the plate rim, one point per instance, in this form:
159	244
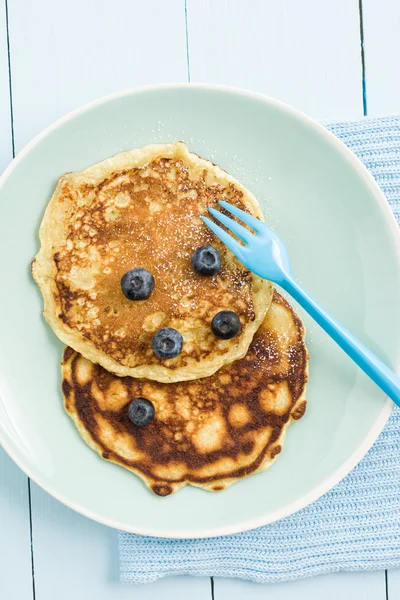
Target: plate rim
387	406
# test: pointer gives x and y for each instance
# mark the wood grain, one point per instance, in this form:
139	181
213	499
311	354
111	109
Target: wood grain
15	548
5	113
393	583
382	55
304	52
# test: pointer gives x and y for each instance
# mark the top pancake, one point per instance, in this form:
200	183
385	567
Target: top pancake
142	209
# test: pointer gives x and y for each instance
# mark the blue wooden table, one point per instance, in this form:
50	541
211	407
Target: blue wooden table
334	59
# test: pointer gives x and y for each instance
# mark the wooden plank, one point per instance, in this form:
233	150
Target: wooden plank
5	116
304	52
381	28
98	48
78	51
381	22
15	549
346	586
83	555
393	581
325	80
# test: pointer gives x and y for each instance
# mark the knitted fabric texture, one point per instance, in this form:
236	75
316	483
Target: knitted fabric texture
354	527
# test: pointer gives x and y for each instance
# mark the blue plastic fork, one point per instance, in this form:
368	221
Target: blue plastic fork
265	254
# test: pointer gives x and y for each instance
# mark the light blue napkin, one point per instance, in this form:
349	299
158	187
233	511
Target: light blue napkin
356	526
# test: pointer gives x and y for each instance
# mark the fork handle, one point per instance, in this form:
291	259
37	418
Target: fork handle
388	381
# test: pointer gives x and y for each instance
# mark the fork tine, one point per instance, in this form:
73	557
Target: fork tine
252	222
236	228
229	242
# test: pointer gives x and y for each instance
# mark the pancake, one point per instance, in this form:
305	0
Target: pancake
209	432
142	209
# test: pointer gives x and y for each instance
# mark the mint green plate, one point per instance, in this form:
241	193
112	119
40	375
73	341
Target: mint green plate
344	245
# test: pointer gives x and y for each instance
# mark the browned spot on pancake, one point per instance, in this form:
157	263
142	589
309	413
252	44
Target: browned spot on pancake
162	490
247	447
276	450
218	488
299	410
106	455
68	298
68	352
66	387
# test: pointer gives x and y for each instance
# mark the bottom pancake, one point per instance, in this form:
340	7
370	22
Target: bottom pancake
208	432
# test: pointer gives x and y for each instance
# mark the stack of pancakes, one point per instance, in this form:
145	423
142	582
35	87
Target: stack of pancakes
221	406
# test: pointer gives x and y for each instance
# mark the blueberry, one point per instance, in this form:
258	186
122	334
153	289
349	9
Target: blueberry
225	324
141	411
137	284
206	260
167	343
